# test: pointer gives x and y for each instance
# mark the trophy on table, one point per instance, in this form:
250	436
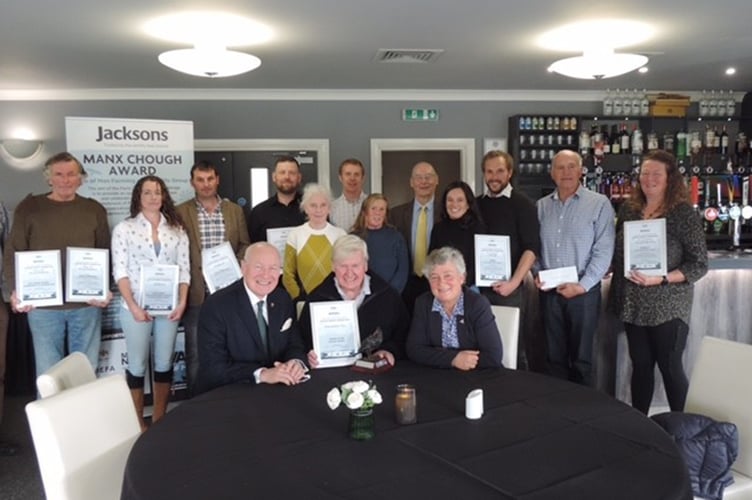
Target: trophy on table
371	363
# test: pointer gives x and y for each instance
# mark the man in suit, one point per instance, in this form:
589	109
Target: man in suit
209	221
407	219
248	331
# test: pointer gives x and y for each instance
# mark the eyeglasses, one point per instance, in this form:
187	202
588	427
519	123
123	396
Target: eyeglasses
424	177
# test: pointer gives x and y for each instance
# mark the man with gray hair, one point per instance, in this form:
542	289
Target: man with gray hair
576	229
379	305
55	221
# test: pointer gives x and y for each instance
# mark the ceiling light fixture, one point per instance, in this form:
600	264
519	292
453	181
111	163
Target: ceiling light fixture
209	62
598	64
21	149
210	33
731	71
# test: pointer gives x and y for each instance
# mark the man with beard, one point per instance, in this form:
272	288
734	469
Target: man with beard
283	208
509	212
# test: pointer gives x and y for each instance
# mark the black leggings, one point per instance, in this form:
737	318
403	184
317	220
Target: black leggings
663	344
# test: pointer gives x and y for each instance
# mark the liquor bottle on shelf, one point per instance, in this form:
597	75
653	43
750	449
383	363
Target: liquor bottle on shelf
709	139
669	142
635	107
713	104
644	103
716	140
596	141
608	104
652	141
681	144
573	123
618	104
606	141
584	143
704	103
625	140
636	144
565	123
615	140
730	104
557	123
723	142
741	144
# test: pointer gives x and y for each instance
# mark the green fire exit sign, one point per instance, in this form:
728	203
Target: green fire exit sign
420	115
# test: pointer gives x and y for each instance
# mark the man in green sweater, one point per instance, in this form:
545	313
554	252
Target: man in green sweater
55	221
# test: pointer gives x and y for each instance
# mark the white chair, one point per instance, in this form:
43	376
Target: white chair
82	437
508	323
71	371
721	388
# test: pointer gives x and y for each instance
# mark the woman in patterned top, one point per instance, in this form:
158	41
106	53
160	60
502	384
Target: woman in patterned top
656	309
152	235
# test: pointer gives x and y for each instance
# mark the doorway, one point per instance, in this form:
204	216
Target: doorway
392	161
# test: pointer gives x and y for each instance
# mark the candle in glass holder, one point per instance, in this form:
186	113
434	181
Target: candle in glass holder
405	404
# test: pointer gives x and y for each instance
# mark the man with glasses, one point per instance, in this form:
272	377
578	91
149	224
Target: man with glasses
55	221
415	220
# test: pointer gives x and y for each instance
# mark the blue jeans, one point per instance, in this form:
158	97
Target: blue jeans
48	333
570	326
137	338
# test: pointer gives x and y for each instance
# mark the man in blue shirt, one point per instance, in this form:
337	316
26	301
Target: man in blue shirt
576	229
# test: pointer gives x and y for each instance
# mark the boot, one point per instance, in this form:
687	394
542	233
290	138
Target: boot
161	396
138	402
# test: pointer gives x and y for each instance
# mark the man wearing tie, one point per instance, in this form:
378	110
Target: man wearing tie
415	220
248	331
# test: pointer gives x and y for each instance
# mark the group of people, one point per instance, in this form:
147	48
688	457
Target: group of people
409	269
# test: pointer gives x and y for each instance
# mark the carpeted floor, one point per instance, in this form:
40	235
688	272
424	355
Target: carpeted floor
19	474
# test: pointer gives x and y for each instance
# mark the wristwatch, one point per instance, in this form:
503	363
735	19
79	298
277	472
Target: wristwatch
664	280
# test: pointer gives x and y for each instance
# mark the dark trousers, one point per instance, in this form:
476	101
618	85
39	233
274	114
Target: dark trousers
515	299
570	326
662	344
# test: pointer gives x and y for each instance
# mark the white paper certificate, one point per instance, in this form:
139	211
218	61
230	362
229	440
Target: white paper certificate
645	247
39	279
87	275
492	260
219	266
336	335
158	289
551	278
278	237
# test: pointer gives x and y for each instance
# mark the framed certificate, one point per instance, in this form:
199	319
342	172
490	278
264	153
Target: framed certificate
87	274
492	259
158	289
219	266
39	279
278	237
336	335
645	247
551	278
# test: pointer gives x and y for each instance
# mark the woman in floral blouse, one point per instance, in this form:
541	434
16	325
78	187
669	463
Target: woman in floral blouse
152	235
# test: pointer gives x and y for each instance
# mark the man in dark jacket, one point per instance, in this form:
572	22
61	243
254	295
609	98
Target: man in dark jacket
379	305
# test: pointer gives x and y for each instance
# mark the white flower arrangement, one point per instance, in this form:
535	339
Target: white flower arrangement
357	395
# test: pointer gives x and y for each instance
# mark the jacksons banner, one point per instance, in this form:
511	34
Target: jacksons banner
116	153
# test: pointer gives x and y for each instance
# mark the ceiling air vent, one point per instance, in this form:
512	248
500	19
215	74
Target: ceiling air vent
408	55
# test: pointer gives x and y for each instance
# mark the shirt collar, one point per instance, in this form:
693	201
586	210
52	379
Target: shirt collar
459	309
506	192
575	195
201	207
417	206
365	290
255	299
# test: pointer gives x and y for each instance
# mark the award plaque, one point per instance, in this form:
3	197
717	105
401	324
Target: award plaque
336	334
219	266
371	363
645	247
492	259
87	274
158	290
39	280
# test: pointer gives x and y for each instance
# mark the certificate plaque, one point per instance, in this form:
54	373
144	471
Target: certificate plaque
39	279
220	266
645	247
278	238
87	275
336	335
158	290
492	259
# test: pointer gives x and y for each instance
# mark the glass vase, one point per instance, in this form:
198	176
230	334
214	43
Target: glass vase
362	424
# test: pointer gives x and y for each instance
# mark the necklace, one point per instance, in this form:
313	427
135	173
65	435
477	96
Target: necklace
653	213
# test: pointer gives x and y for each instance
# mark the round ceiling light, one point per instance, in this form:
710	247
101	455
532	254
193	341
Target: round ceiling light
209	62
598	65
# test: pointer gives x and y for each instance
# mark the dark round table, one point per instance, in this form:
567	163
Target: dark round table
539	438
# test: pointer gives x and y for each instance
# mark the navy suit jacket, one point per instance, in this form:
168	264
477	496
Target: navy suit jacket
229	343
476	330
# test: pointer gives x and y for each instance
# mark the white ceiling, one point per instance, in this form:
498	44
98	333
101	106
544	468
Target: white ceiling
53	45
